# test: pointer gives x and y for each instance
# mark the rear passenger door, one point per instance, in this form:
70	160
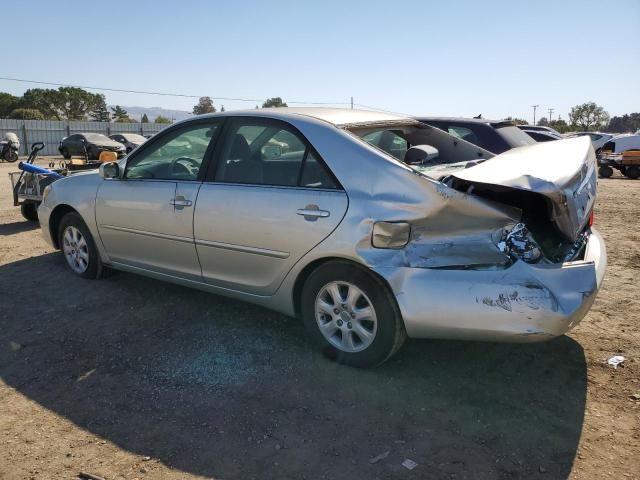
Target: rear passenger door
266	202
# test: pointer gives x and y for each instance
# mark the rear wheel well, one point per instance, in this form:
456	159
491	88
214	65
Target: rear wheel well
54	221
308	270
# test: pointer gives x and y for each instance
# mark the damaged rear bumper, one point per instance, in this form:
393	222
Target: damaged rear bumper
520	303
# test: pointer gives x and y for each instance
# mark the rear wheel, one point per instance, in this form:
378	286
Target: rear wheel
605	171
78	247
633	172
351	314
29	211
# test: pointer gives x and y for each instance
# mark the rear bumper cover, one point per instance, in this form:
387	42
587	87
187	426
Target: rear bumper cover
520	303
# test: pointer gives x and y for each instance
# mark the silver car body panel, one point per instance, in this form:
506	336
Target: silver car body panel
451	280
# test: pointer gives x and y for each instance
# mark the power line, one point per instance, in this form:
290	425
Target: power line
165	94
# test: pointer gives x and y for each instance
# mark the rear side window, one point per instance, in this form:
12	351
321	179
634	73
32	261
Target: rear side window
259	152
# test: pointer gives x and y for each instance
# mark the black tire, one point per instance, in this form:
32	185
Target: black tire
95	267
605	171
390	332
633	172
11	155
65	153
29	211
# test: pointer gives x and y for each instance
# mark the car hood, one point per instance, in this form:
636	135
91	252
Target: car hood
563	172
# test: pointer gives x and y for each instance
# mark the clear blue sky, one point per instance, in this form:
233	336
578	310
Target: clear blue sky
420	57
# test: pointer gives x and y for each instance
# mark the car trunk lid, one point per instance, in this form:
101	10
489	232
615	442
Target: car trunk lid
563	172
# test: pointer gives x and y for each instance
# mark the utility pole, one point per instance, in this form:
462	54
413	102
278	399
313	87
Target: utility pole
351	103
534	113
551	110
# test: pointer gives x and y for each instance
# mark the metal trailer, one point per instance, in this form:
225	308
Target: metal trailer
29	183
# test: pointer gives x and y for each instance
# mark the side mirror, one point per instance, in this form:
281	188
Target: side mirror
421	154
109	170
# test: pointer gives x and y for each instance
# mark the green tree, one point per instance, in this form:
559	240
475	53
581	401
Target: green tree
205	105
222	108
145	119
627	123
275	102
26	114
161	119
42	99
66	103
588	116
559	125
119	114
99	111
543	122
517	121
8	103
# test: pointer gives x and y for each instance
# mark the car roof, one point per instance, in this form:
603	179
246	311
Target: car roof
459	119
339	117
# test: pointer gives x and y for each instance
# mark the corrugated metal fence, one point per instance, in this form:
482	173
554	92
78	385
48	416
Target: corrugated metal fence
51	132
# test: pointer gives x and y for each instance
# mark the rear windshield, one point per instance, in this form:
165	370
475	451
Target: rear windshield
97	137
514	136
133	137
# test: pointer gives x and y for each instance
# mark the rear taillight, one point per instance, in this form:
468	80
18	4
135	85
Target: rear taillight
591	218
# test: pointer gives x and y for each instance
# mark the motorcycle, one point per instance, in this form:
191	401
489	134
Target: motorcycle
9	147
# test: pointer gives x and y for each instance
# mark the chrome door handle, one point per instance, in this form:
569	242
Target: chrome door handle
180	201
312	213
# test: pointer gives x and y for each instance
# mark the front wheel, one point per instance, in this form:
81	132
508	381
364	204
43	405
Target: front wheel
78	247
10	155
351	314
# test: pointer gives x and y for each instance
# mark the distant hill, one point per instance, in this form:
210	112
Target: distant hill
152	112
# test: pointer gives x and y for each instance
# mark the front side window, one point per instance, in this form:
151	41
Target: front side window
175	156
268	153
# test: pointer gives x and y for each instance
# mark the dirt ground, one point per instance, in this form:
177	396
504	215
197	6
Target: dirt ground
129	378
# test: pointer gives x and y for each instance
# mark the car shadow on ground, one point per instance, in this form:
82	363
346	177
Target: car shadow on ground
224	389
7	229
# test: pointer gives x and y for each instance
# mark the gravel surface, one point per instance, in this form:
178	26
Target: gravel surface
129	377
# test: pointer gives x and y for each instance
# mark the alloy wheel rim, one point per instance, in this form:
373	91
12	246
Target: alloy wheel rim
346	317
75	249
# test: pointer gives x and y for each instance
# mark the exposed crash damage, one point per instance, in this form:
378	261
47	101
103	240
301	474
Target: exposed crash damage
503	249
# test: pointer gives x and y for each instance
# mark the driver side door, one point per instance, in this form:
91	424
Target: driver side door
145	218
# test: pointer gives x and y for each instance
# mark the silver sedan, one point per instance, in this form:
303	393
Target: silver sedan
370	227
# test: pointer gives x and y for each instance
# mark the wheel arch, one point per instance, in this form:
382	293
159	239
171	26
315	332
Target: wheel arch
312	266
55	218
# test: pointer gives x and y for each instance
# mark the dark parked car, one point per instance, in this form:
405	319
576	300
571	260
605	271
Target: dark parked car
89	144
129	140
541	135
540	128
494	136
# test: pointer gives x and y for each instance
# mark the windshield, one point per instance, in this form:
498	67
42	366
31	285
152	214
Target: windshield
514	136
133	137
97	137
